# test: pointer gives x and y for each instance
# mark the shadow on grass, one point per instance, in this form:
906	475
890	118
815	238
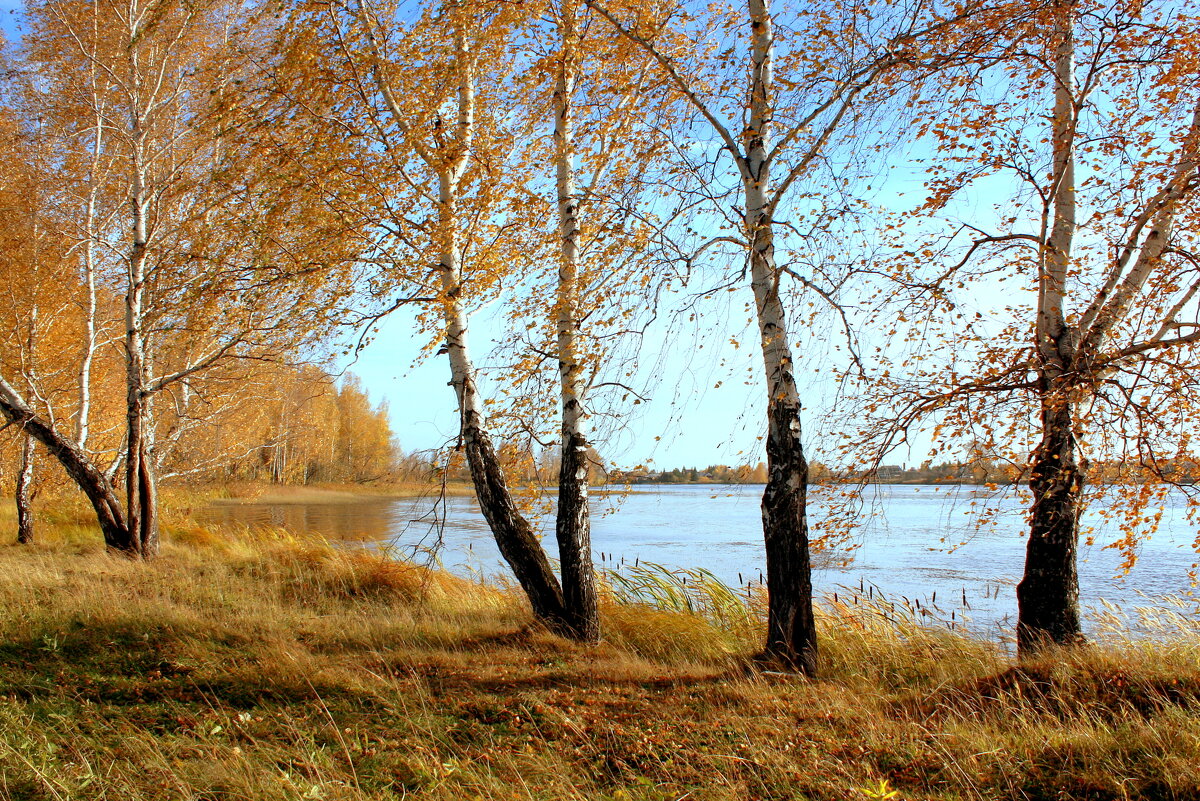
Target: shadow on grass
1108	691
123	665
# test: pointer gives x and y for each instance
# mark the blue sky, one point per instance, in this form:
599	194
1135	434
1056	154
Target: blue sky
8	22
697	424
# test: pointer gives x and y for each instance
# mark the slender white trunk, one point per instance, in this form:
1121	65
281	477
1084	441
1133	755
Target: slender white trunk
24	493
573	524
83	420
449	158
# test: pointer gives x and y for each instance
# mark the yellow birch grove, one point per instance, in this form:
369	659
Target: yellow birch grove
205	240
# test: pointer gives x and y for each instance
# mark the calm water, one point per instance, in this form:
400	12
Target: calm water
919	543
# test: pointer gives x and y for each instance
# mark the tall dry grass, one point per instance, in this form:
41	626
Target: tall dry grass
256	665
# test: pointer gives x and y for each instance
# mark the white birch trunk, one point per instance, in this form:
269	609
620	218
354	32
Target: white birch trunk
573	524
514	536
24	492
1048	594
83	419
23	495
791	632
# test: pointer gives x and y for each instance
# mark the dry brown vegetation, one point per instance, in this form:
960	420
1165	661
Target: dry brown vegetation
263	667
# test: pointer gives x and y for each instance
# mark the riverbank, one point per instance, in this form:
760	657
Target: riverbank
266	667
262	492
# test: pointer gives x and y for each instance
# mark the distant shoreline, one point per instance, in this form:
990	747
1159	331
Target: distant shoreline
285	494
889	482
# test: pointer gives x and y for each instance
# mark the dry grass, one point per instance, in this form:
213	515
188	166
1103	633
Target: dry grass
243	666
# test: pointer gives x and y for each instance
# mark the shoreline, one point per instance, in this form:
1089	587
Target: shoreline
286	494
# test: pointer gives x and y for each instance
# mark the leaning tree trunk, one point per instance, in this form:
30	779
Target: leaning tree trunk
90	480
1048	595
24	492
572	523
448	159
514	536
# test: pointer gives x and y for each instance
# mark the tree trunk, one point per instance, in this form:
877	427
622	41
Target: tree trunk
1048	595
141	503
83	421
791	627
572	523
514	536
448	160
573	530
24	492
141	500
90	480
147	533
139	480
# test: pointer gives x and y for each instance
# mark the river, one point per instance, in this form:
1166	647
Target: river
916	543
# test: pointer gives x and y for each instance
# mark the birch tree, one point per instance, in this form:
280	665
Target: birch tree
777	133
1089	118
215	247
418	96
572	526
601	91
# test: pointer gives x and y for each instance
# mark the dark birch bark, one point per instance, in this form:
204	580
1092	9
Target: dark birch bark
514	536
1048	595
573	530
24	492
791	626
90	480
